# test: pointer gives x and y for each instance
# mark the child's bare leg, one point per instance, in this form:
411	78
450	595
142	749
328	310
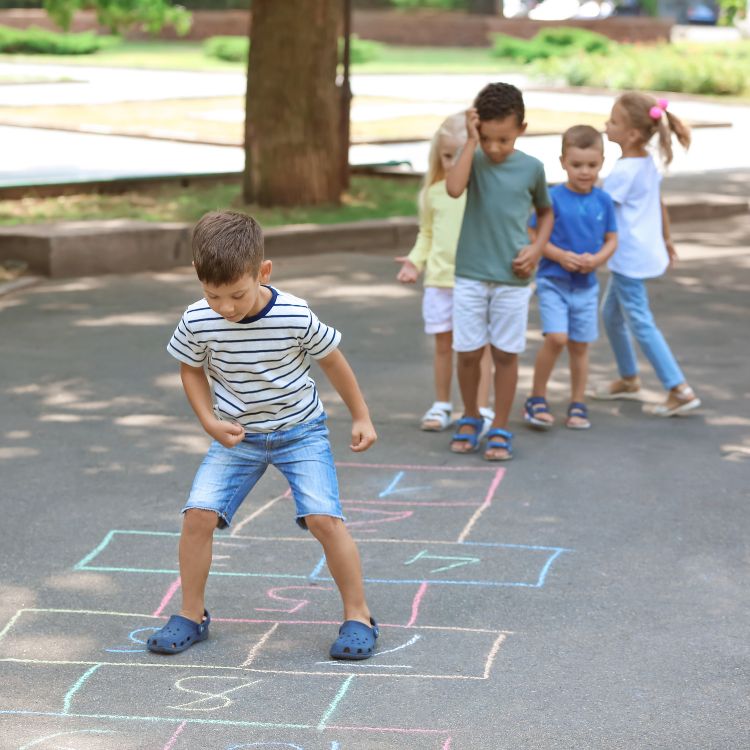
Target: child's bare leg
468	381
443	365
545	362
195	560
342	557
506	378
578	360
485	378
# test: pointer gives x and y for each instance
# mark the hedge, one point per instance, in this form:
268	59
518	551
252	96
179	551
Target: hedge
236	48
37	41
549	43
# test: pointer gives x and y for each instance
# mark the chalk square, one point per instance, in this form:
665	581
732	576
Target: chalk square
91	638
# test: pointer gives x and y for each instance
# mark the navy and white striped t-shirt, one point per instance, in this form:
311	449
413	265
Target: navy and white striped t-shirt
259	367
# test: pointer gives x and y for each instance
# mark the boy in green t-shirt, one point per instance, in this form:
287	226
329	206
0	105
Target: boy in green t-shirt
494	260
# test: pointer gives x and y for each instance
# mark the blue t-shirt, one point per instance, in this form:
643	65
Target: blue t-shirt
581	221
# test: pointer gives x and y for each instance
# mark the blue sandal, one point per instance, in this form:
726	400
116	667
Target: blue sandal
580	411
477	423
356	640
536	405
505	444
179	634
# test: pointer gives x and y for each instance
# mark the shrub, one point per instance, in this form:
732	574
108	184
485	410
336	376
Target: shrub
229	48
659	68
236	48
552	42
37	41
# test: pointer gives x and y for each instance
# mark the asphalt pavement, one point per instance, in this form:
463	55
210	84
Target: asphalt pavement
591	593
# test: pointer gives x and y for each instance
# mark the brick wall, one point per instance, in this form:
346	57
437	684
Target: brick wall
425	28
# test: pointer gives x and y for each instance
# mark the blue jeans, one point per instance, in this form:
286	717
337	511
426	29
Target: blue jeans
301	453
626	311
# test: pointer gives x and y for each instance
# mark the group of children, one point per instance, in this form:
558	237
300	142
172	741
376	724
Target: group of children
574	229
245	348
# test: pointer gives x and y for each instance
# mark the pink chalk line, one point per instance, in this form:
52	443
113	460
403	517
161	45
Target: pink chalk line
387	729
486	504
355	465
415	604
447	744
174	737
433	503
167	597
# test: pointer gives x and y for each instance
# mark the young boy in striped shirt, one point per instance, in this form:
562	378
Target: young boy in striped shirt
244	352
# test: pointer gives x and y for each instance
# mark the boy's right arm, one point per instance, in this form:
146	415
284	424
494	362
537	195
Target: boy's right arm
458	175
198	392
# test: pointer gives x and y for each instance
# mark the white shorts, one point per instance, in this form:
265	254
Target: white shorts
437	309
489	313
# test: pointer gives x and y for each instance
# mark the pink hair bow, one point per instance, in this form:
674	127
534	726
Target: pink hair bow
658	109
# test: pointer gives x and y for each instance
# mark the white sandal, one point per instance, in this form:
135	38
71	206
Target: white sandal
688	401
440	414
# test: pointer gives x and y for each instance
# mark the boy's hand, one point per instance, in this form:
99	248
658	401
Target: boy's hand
472	124
228	434
526	261
571	262
671	252
587	263
408	273
363	435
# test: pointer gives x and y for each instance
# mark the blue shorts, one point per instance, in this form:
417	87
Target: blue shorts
301	453
568	309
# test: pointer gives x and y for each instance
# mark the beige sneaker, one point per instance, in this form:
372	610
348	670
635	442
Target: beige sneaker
680	401
619	389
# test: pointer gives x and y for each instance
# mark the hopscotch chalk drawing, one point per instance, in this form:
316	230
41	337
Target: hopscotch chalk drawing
100	683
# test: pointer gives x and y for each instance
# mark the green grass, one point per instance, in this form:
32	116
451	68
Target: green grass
368	198
177	55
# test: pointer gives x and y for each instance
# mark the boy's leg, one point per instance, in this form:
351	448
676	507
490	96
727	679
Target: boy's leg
468	382
578	359
546	358
342	558
485	378
470	337
196	542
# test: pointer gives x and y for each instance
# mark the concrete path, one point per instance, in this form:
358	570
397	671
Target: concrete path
38	156
590	594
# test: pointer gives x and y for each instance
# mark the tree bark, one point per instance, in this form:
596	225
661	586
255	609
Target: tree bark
292	109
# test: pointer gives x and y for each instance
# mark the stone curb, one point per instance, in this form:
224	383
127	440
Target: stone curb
86	248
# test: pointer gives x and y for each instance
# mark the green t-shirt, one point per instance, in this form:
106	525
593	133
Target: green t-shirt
499	203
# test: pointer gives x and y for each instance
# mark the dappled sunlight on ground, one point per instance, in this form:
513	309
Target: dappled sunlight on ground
17	452
128	319
170	381
82	581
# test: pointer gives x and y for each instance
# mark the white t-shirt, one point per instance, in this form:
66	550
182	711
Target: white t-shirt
634	184
258	367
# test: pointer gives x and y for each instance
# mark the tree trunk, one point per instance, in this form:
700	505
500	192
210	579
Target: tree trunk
292	110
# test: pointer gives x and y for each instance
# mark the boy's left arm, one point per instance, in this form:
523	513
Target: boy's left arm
341	377
590	262
528	258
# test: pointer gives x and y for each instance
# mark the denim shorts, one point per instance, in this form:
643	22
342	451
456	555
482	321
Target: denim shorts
564	308
301	453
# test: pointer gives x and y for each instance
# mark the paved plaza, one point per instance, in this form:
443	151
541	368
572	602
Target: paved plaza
591	593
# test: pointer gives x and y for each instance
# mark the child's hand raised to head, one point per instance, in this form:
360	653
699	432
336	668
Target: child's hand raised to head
472	124
525	262
363	435
408	273
228	434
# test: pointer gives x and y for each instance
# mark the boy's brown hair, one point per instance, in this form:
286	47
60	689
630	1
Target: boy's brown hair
582	136
227	245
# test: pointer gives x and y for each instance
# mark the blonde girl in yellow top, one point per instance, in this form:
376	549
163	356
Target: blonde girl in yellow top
435	253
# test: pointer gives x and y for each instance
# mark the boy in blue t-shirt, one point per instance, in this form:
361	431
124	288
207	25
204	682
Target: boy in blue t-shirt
584	237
